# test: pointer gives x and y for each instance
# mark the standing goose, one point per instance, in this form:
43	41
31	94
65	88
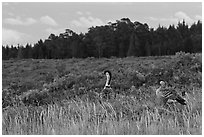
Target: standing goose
165	94
107	90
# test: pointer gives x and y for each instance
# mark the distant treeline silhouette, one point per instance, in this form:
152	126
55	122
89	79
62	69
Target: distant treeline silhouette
121	39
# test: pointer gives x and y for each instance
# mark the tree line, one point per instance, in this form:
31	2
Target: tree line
120	39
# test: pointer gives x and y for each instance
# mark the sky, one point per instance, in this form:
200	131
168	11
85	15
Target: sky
29	22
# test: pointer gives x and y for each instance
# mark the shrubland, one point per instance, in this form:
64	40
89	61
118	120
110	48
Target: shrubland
61	96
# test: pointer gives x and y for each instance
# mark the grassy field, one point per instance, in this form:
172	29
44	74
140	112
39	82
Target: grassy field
61	96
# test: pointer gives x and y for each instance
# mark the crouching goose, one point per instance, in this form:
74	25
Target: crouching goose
165	94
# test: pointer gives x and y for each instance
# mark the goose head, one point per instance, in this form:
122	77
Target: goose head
162	83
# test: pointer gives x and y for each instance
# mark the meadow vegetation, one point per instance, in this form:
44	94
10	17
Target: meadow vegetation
61	96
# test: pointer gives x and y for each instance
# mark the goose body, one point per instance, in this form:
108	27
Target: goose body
107	91
165	94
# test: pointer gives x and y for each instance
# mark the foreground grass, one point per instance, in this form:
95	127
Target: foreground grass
124	115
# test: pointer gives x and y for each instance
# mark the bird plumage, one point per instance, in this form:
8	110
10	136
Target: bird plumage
166	94
108	78
107	91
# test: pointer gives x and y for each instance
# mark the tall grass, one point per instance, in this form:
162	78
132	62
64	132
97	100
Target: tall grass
123	115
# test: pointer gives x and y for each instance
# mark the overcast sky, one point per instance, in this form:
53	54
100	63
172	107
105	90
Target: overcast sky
29	22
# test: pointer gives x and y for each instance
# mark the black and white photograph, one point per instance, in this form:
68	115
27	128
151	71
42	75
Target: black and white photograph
101	68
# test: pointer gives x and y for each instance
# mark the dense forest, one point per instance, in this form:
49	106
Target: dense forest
121	39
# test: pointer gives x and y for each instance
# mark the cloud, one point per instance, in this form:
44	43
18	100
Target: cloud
171	20
48	20
55	31
153	18
181	15
76	23
111	20
162	20
178	16
198	17
13	37
83	13
10	13
5	3
19	21
87	22
79	13
29	21
88	13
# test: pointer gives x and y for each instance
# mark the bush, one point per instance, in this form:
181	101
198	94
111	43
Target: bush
180	70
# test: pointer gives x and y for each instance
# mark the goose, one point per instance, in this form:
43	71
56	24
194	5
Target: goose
166	94
107	90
